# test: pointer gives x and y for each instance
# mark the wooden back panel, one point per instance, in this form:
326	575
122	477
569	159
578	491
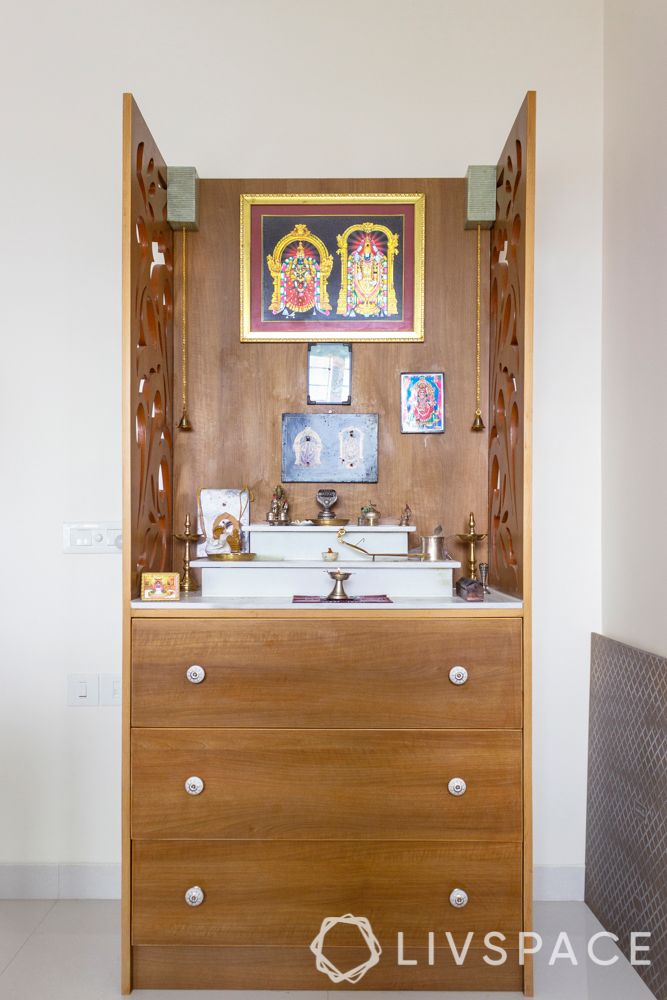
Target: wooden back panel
148	246
511	322
239	391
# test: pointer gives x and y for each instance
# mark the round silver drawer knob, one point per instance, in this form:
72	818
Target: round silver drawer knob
458	675
456	786
194	785
458	898
195	674
194	896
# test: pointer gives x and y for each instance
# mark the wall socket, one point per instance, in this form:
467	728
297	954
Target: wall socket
92	538
88	690
111	689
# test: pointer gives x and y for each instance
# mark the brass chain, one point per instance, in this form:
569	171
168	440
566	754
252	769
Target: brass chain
478	423
478	411
184	330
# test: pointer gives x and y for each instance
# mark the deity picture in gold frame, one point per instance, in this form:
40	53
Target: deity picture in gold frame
332	267
160	586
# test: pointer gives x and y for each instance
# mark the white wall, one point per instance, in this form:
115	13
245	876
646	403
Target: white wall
261	89
634	346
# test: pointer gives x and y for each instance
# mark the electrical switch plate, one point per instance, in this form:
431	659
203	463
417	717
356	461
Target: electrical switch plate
93	537
83	690
110	689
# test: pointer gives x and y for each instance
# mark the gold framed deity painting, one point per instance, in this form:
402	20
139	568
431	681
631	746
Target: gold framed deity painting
331	267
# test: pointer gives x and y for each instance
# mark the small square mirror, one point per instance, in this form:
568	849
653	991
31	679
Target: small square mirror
329	374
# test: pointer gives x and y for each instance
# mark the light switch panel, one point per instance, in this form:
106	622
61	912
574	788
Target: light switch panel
83	690
110	689
92	538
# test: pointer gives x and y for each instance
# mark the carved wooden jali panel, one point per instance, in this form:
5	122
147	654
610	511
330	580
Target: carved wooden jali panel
148	244
510	335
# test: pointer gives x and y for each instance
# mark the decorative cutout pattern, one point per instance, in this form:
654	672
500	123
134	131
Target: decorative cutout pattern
507	365
151	347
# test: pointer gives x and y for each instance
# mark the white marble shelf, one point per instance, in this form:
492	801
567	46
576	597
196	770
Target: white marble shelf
354	565
332	528
303	542
280	577
495	601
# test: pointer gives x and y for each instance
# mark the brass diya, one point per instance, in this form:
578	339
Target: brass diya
188	537
471	539
338	592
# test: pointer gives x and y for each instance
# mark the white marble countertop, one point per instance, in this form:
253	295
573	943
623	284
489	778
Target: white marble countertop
494	601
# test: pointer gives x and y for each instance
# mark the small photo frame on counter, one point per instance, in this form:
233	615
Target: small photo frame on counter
422	402
160	586
329	374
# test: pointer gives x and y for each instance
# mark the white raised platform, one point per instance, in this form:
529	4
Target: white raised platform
495	601
299	541
288	561
285	578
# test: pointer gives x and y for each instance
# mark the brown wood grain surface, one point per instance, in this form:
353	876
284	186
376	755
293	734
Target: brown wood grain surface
147	388
357	674
237	392
326	784
172	967
148	352
511	413
510	363
277	893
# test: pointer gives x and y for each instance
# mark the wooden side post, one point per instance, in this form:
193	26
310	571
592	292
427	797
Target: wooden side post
147	413
511	419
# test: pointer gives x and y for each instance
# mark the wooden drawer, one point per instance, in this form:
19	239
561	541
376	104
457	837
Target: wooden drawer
277	893
384	674
338	784
169	967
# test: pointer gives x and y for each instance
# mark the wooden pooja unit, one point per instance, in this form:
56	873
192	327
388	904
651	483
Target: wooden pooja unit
325	738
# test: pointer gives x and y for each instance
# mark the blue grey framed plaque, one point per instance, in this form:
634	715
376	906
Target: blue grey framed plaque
330	448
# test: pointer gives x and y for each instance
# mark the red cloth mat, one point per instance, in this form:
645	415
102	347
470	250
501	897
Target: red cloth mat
365	599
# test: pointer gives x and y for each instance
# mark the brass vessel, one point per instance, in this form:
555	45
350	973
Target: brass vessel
338	592
188	537
471	539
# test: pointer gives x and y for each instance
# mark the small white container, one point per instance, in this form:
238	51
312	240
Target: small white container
330	556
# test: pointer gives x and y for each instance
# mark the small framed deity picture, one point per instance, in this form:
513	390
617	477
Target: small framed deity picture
422	402
329	374
329	267
330	448
160	586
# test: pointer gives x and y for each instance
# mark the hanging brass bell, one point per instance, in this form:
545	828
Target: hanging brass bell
184	423
478	423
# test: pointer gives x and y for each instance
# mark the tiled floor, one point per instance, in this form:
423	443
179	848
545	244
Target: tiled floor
68	950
